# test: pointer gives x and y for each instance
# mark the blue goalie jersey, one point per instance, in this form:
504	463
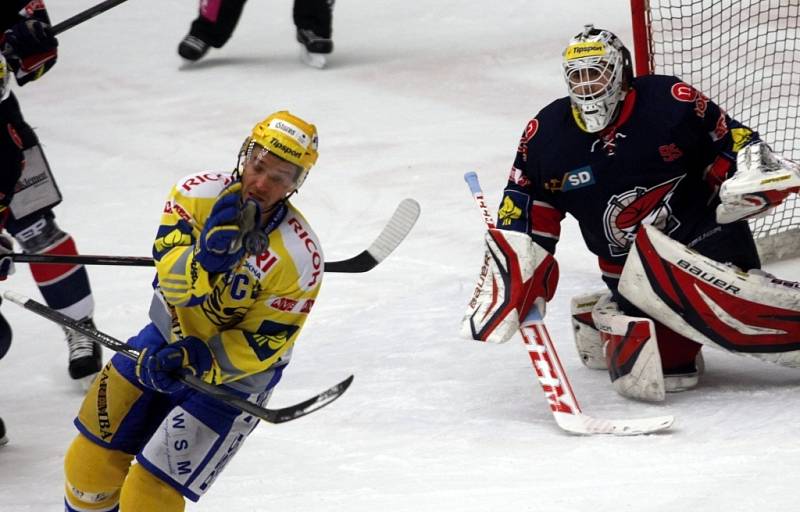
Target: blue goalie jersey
660	163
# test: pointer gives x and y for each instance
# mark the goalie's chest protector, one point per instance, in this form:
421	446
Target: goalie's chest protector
648	168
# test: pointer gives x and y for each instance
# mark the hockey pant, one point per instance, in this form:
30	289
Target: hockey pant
218	18
184	439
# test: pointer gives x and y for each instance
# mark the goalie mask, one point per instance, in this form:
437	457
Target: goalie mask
285	137
597	69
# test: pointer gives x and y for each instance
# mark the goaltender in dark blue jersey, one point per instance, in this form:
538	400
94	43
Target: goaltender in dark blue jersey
660	162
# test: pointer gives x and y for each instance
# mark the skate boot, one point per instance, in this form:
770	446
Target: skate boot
314	48
192	48
3	438
314	43
85	355
686	378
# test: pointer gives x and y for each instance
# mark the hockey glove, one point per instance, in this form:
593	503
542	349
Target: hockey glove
161	368
761	182
6	263
220	246
517	274
30	49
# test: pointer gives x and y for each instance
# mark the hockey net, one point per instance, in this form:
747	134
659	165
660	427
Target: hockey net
745	55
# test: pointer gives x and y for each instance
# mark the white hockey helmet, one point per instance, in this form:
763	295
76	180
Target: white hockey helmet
598	71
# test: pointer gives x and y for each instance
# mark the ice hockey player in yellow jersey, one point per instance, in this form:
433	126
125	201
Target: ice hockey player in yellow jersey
238	271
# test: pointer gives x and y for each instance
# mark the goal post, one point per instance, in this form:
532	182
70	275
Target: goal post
744	55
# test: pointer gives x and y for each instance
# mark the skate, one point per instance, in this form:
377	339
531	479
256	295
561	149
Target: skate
3	438
192	48
314	48
85	356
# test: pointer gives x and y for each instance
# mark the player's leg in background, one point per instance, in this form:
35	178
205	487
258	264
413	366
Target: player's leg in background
31	222
64	288
11	163
314	22
213	26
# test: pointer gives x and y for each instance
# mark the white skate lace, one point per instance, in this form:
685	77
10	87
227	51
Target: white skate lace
79	345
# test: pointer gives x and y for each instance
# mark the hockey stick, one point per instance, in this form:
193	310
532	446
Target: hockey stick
551	374
269	415
82	16
398	227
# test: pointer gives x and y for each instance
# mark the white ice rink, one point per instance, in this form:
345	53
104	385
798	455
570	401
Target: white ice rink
416	94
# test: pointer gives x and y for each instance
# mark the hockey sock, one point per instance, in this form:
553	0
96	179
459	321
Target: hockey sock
65	288
94	476
145	491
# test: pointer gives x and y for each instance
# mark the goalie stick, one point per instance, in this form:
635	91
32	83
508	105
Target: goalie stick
395	231
269	415
550	373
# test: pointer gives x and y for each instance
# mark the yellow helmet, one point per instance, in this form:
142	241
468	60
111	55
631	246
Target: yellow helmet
288	137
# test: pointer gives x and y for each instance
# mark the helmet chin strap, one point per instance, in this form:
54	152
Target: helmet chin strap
279	202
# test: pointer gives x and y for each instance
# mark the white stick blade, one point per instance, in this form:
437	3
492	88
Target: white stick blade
583	424
403	219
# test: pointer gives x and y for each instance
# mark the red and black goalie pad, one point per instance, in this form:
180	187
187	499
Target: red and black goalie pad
718	301
622	351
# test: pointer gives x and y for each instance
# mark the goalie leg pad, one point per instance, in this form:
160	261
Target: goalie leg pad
587	338
631	352
516	273
712	303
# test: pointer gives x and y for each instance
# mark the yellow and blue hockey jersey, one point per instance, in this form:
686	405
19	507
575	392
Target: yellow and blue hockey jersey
251	316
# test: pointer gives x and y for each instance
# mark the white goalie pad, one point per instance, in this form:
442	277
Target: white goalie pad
587	338
712	303
761	182
631	352
516	274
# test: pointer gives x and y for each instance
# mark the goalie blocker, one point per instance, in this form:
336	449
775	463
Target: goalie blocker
746	313
516	274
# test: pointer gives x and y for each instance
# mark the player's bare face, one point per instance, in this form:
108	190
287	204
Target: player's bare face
267	179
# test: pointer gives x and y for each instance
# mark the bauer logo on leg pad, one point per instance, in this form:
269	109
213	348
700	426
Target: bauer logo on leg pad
515	274
712	303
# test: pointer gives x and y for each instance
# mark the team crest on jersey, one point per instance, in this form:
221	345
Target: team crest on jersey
527	135
512	210
271	337
223	306
684	92
629	210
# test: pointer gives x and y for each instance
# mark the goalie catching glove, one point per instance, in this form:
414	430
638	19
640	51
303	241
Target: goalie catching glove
517	274
762	181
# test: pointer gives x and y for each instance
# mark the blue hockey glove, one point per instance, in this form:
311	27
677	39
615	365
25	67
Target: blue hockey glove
6	263
161	368
220	247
